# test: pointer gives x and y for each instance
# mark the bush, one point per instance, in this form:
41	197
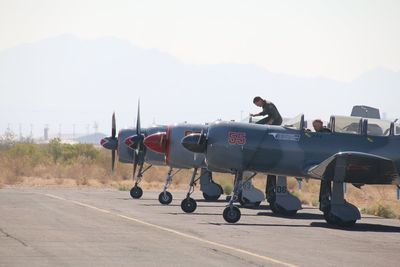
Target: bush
53	160
228	189
380	210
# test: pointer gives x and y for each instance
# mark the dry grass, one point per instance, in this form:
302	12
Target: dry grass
32	165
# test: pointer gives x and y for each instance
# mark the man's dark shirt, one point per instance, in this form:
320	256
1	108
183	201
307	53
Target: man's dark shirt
324	130
270	109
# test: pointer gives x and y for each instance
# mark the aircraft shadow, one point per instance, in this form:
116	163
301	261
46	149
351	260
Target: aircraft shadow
298	216
261	224
160	205
206	214
214	201
361	227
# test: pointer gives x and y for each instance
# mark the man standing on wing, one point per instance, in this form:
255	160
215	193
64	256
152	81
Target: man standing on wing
273	118
269	109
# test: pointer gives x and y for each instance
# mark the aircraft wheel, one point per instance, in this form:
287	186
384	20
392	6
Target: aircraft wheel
244	202
188	205
214	198
166	198
279	210
210	198
232	214
136	192
334	220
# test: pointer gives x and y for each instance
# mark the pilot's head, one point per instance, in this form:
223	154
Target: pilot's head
258	101
318	125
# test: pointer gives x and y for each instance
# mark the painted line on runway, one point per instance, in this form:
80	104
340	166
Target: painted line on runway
169	230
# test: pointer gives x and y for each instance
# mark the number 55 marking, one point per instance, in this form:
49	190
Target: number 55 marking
236	138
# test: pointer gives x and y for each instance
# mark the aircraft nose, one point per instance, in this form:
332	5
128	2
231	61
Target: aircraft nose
103	142
194	143
157	142
109	143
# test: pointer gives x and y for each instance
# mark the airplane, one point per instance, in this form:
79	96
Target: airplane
176	156
137	156
358	151
130	148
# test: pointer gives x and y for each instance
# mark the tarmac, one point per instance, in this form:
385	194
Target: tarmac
106	227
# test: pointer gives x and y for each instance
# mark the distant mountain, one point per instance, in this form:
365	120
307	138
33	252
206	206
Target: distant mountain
65	80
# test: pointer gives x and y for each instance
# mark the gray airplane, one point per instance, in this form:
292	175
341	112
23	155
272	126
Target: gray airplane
358	151
176	156
132	153
131	149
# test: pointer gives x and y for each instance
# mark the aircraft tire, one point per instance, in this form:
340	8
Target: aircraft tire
244	202
214	198
334	220
232	214
136	192
210	198
166	198
281	211
188	205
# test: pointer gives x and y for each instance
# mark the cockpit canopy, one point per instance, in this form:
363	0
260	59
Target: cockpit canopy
363	126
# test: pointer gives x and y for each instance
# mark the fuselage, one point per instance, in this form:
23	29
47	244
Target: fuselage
236	146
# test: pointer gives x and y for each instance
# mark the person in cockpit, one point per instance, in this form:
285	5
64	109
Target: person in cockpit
319	127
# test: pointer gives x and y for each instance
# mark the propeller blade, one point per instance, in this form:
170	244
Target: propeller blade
135	163
138	129
112	160
113	126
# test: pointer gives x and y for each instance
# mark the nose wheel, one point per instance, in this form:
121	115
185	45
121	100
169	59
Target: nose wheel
231	214
136	192
188	205
165	198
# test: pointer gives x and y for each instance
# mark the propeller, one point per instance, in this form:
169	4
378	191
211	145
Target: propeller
113	134
137	143
111	142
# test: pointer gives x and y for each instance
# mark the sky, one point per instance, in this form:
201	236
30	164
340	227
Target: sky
338	40
335	40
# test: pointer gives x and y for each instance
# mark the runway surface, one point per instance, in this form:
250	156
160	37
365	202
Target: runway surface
98	227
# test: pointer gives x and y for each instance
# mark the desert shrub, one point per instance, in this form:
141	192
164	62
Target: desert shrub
380	210
228	189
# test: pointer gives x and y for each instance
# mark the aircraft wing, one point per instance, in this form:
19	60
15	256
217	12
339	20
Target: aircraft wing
361	168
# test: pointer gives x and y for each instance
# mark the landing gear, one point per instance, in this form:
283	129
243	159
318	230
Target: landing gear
332	219
337	211
232	214
211	198
280	200
277	209
211	190
249	196
165	197
136	192
245	202
188	204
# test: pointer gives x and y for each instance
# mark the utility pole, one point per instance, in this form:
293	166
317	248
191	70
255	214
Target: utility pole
20	132
96	127
73	131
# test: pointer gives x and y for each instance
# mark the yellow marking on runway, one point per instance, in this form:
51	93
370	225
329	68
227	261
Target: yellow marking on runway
169	230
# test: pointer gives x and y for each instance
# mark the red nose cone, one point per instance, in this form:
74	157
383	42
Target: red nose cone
157	142
103	141
128	141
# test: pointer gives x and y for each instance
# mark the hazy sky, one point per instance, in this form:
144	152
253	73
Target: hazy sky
333	39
